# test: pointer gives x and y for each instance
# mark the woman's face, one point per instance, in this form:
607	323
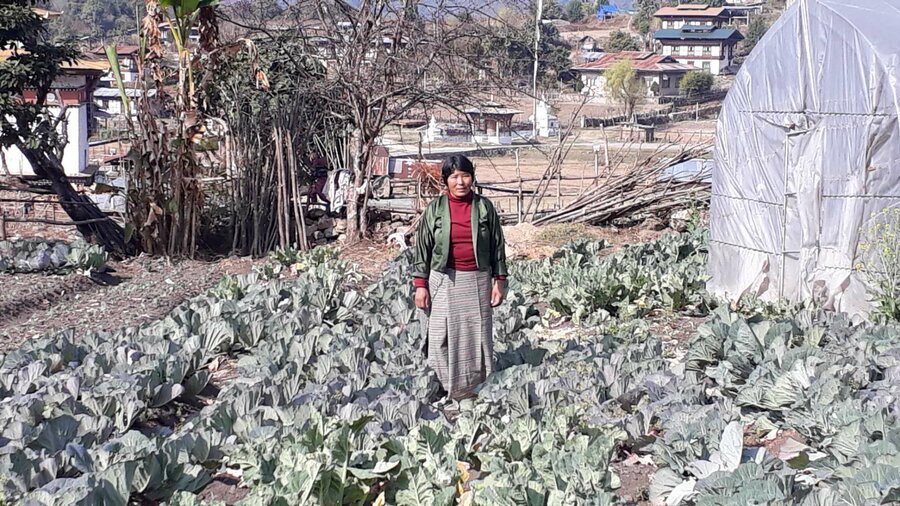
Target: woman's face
460	183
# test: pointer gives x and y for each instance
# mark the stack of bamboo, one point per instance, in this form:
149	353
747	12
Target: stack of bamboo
640	190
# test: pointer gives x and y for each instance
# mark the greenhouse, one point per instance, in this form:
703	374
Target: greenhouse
808	157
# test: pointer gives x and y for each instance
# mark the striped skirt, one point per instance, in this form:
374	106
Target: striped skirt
460	330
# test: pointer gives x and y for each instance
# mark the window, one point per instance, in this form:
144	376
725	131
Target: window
665	82
707	50
707	66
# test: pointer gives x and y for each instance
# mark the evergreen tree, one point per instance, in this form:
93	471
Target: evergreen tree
621	41
574	11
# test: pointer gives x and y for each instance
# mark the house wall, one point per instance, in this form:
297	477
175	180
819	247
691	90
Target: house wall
128	69
111	106
75	154
676	24
595	84
714	58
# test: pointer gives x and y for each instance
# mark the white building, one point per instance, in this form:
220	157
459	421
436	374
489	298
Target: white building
704	47
128	64
109	100
660	75
71	91
697	35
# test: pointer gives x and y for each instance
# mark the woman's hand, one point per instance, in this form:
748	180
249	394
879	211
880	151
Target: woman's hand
423	299
497	293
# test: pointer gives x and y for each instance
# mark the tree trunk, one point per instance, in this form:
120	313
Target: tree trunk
355	230
102	231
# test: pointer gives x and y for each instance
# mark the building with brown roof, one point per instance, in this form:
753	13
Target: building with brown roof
70	94
697	35
678	16
659	74
128	56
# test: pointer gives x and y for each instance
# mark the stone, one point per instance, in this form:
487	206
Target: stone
680	220
398	239
340	226
654	223
315	213
329	233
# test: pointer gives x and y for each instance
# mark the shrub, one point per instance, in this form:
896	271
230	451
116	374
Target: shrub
696	82
621	41
881	264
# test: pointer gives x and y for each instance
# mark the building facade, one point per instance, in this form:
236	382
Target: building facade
698	35
71	94
660	74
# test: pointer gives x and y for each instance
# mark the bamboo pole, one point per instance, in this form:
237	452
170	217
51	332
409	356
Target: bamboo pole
281	204
295	191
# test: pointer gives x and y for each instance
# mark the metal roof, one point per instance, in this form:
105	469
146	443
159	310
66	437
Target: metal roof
82	65
492	108
690	10
693	34
640	61
114	93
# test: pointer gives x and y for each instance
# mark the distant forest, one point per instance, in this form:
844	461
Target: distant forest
95	21
100	21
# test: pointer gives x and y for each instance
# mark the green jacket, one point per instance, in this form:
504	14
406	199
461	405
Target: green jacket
433	238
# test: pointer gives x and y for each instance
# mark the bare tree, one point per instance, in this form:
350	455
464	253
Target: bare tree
388	59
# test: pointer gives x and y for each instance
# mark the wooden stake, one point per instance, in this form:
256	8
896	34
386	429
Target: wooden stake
559	186
605	147
519	198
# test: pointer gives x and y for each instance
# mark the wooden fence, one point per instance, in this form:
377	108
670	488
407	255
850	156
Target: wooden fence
681	101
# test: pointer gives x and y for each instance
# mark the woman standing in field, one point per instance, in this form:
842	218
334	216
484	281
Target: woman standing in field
460	273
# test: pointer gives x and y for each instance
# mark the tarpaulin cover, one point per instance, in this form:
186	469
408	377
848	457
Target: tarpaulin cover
807	155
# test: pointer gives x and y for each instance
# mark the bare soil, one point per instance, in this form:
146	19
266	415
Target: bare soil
528	241
135	291
131	292
635	482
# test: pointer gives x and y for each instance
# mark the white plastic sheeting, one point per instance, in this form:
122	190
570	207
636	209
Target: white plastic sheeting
807	152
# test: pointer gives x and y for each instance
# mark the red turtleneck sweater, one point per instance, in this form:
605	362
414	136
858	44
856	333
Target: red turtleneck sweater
462	251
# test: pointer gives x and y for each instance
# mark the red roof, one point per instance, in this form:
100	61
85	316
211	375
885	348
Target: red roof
641	61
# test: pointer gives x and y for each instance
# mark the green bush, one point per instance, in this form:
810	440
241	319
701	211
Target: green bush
881	264
696	82
621	41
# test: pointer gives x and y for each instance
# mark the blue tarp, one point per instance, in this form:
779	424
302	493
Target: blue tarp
605	11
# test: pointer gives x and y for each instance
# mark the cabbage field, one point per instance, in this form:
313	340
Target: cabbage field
330	401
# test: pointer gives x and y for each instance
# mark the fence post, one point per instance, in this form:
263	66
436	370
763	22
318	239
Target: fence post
559	185
605	148
519	197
